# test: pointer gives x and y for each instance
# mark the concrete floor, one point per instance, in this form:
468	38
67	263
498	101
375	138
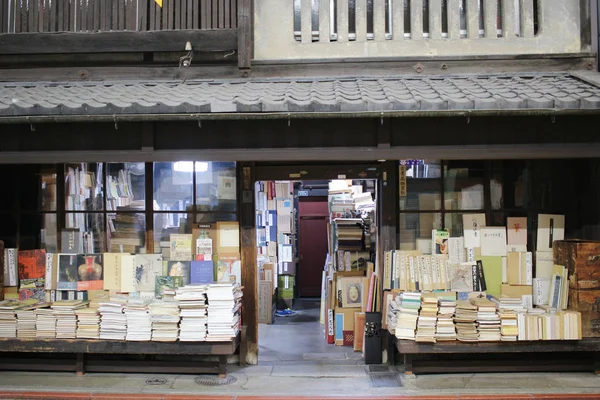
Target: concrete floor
294	360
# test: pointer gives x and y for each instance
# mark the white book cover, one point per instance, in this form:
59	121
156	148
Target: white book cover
550	229
493	241
517	231
456	250
127	265
544	264
10	267
49	271
147	268
472	224
541	291
424	246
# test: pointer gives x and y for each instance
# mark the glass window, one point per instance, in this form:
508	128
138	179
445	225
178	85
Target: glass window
92	228
38	231
209	218
420	185
416	228
83	187
126	233
463	185
125	186
216	187
173	186
166	224
37	187
508	184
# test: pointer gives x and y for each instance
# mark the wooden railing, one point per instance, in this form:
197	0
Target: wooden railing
335	29
46	16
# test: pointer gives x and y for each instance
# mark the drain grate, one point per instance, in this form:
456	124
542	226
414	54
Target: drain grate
156	381
215	380
385	380
377	368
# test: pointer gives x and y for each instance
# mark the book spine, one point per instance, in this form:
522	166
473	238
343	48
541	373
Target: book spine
475	277
482	284
11	262
528	268
48	280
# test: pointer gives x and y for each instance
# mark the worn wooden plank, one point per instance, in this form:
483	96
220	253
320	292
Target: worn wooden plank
509	19
527	18
306	21
209	12
4	16
379	19
234	15
114	16
435	19
177	14
44	16
361	15
457	347
31	19
95	26
398	19
132	15
116	42
215	14
324	21
203	11
454	19
168	14
473	19
195	14
151	16
142	23
73	16
158	20
81	16
227	14
244	30
342	21
490	13
416	19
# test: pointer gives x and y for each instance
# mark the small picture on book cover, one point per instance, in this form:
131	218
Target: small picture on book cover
352	292
32	289
180	268
32	264
440	242
90	272
67	271
461	277
169	283
147	267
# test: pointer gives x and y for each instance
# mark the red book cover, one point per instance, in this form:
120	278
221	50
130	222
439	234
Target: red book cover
90	272
32	264
273	191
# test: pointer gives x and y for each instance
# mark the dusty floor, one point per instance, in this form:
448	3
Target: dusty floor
294	360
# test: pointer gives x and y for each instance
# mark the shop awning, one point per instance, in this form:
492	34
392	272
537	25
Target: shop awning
528	94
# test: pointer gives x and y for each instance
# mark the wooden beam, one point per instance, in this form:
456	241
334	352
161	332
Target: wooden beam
245	42
119	42
248	255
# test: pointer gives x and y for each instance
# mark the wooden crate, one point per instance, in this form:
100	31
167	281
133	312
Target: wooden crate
587	302
582	259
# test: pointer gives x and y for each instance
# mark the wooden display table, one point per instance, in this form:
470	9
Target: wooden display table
10	360
528	356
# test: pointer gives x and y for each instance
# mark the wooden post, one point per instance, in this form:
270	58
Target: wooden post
248	255
245	42
79	364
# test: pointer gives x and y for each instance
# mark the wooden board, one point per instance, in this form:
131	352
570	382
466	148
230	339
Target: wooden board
582	259
587	302
540	346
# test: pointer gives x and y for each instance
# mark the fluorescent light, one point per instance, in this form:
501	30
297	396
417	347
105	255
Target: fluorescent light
184	166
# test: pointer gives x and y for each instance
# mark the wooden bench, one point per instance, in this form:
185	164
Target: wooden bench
528	356
80	348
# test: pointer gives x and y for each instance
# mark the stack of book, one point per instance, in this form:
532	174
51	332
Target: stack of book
224	305
26	320
88	323
165	321
45	323
139	322
466	322
8	318
113	323
193	313
509	327
510	304
392	313
445	329
410	304
66	320
426	325
349	233
487	319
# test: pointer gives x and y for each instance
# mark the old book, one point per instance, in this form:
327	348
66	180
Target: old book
550	229
181	247
544	264
516	231
456	250
493	241
461	277
128	277
10	267
202	272
90	272
229	268
520	268
147	268
166	285
179	268
439	242
67	272
492	268
32	264
472	224
112	271
541	291
582	259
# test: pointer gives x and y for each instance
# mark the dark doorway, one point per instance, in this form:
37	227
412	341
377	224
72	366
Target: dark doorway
313	216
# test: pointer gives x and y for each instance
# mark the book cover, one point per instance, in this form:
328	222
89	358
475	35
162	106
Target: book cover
330	327
180	268
483	286
493	241
517	231
492	271
32	264
353	291
544	264
204	247
128	278
229	268
147	268
472	224
51	277
181	247
112	271
359	330
67	272
439	242
90	272
32	289
202	272
550	229
166	283
339	329
456	250
10	267
71	241
461	277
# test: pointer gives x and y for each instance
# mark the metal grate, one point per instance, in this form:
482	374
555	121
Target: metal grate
156	381
215	380
385	380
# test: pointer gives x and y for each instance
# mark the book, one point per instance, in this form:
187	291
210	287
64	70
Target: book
472	224
31	264
439	242
90	272
30	289
493	241
229	268
516	231
492	272
181	247
67	272
550	229
202	272
168	284
10	267
147	268
461	277
179	268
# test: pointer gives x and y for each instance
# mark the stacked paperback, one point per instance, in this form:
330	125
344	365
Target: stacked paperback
8	319
445	323
408	314
192	302
224	305
26	320
165	321
488	320
113	323
466	321
139	322
45	323
88	323
427	320
509	327
66	320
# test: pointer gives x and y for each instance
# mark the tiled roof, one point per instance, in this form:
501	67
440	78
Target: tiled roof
506	92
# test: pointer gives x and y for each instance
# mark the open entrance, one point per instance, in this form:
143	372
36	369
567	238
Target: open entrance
316	251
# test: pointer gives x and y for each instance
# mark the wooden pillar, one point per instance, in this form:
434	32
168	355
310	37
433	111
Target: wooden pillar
389	206
245	35
247	215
